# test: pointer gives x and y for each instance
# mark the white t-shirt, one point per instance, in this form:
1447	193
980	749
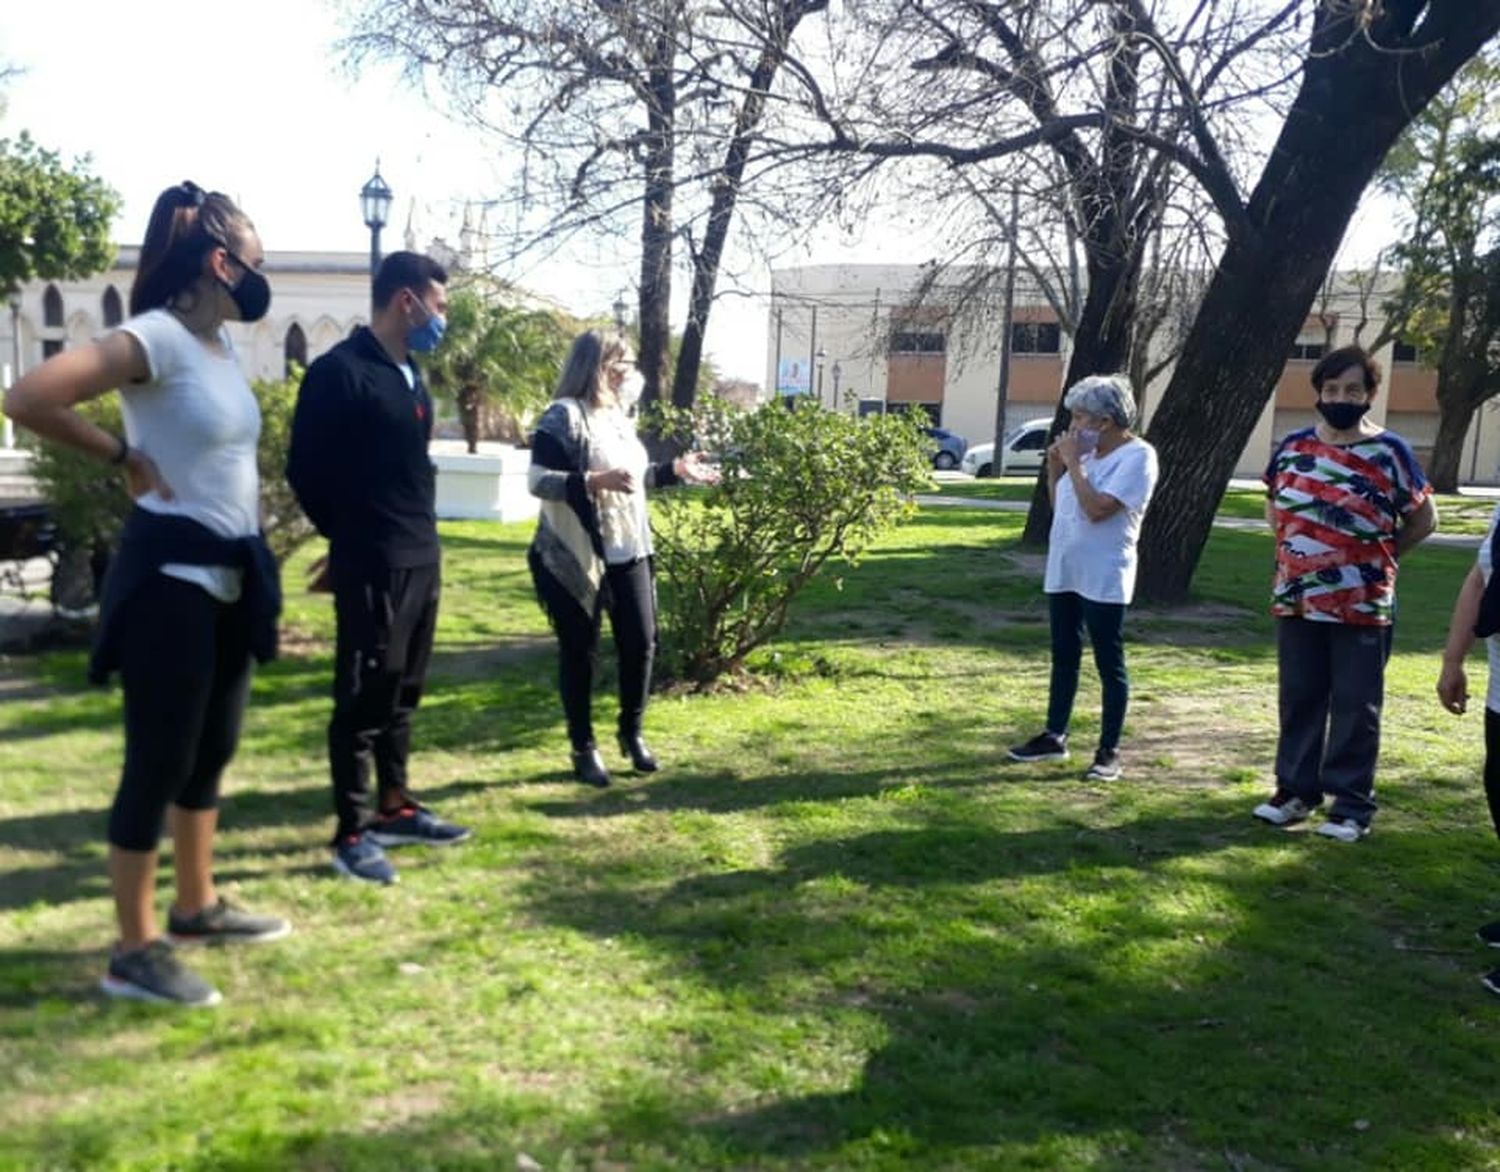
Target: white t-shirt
1492	644
197	418
1097	559
623	523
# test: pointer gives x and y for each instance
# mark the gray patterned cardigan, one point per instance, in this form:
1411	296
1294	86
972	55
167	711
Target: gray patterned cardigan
568	547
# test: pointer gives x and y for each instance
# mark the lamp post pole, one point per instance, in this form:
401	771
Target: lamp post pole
620	307
838	373
375	205
822	356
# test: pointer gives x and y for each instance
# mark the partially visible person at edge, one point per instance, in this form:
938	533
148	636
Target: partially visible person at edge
193	594
1476	613
359	466
592	551
1100	476
1346	499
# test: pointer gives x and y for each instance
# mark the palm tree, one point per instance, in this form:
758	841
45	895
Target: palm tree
496	354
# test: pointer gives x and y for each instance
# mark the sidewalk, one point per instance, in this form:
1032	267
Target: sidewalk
1444	540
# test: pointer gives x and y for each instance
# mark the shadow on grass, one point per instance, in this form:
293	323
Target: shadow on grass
78	836
1195	961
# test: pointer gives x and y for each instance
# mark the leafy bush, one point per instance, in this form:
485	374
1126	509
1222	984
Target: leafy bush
89	501
801	487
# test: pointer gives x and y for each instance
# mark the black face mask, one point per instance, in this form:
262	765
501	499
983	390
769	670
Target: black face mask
1342	416
252	295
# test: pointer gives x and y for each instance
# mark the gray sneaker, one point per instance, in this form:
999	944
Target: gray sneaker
154	974
224	922
1283	809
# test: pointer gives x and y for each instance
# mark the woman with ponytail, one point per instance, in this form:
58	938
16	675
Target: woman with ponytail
192	595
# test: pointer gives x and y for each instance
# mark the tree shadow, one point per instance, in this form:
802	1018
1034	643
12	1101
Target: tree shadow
1015	1025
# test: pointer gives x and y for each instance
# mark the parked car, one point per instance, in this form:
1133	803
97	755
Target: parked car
1024	450
950	447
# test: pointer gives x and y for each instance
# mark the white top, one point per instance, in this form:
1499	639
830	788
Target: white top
197	418
1097	559
1492	644
623	523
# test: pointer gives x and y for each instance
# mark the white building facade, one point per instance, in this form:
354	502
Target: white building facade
317	298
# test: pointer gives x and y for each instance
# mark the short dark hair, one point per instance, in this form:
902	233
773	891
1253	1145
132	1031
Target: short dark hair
1335	362
405	270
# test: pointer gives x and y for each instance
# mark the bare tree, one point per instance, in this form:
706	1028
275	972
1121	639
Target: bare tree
1120	104
616	111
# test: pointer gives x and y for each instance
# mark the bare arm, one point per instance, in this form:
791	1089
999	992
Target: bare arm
1418	527
1453	684
44	402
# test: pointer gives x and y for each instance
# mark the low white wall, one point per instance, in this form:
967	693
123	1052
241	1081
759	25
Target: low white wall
489	485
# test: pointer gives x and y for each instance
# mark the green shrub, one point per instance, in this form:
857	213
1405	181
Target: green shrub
89	501
800	488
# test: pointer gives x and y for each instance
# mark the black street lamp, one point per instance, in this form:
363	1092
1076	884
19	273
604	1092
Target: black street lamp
838	373
822	356
375	204
620	307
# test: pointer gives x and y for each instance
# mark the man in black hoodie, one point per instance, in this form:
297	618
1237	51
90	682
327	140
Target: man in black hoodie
360	469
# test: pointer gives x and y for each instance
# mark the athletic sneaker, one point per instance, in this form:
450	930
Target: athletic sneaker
225	922
415	826
1106	766
360	858
1491	981
1343	830
1490	934
1044	746
154	974
1284	808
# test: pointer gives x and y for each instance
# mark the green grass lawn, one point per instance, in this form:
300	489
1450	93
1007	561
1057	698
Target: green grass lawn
838	931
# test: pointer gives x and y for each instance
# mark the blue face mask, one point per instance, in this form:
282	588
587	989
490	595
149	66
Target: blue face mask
425	337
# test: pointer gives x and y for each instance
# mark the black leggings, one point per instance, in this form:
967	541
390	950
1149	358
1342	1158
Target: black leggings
1492	764
185	669
630	597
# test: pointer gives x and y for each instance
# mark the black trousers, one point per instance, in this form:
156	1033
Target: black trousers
1492	764
386	623
629	595
185	668
1331	687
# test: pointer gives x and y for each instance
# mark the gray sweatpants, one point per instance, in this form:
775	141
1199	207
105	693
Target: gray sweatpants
1332	683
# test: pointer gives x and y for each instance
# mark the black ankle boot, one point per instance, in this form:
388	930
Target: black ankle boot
641	757
588	767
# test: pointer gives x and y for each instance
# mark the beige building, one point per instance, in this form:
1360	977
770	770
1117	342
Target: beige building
850	333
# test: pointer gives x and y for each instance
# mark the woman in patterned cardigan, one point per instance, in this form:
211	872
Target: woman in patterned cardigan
592	551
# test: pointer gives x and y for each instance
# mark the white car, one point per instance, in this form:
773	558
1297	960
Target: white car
1024	450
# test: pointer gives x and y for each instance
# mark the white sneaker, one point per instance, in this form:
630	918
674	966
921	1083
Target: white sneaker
1343	830
1283	809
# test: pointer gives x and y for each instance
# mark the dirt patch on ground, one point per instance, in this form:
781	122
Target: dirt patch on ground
1204	624
1201	740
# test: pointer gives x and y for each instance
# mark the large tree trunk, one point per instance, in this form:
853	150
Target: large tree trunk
1455	413
656	224
1354	102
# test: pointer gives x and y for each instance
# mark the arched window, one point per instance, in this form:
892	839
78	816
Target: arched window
111	307
52	307
295	348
